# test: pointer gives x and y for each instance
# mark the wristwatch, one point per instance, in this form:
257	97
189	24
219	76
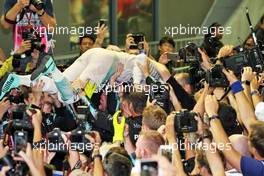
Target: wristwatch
254	92
43	13
212	118
246	82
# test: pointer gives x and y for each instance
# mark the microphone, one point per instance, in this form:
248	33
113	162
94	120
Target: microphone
251	27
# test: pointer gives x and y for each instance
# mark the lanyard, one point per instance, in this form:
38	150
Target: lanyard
28	18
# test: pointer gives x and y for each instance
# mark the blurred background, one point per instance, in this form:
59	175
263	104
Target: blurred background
149	17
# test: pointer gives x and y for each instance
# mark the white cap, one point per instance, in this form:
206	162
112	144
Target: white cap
259	111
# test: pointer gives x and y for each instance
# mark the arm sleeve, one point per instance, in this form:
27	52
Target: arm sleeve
65	119
260	35
250	166
6	67
186	100
49	8
138	76
8	5
150	80
1	131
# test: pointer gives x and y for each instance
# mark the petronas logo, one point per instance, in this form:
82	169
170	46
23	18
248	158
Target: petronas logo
8	84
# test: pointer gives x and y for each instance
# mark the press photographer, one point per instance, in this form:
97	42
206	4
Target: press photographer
20	62
212	43
166	45
29	15
260	31
191	55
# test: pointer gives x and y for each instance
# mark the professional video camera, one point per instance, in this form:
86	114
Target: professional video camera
35	40
184	122
38	4
160	93
216	78
246	57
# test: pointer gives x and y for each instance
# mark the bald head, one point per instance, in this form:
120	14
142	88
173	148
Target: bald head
148	143
240	144
184	80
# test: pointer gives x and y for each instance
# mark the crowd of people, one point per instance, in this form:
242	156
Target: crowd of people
117	112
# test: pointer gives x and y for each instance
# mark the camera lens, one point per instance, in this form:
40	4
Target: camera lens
38	4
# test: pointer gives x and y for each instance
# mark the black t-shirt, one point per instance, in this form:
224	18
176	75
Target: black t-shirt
260	35
103	123
62	118
135	124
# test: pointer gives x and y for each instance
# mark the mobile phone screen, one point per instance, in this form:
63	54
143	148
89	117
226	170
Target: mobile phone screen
20	138
149	168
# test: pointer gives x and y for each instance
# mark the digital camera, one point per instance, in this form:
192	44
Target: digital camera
190	53
55	142
78	140
216	78
160	93
184	122
15	98
38	4
35	40
17	169
21	121
138	39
